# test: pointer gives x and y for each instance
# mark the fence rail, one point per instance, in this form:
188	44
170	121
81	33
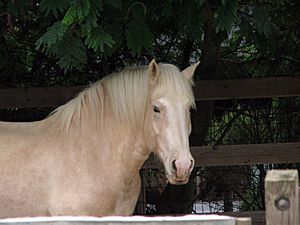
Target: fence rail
135	220
226	155
247	88
205	90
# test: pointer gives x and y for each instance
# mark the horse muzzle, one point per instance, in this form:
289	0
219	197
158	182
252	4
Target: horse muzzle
181	170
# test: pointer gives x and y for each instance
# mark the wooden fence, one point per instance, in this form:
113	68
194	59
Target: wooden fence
205	90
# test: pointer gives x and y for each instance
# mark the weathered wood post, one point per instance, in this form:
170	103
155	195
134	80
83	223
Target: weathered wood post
281	197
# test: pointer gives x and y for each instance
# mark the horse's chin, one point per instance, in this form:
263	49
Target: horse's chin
177	181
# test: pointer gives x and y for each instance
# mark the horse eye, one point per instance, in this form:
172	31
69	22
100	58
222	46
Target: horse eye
156	109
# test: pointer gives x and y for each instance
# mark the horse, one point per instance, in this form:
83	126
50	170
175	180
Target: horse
84	158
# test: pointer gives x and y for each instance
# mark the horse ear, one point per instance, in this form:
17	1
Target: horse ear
153	72
189	71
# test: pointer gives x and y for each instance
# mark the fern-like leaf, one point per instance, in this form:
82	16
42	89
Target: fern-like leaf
97	39
54	33
70	16
54	6
72	53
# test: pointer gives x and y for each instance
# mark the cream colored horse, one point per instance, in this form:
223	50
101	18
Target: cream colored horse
84	159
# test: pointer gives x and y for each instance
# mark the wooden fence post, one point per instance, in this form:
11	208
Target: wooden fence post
281	197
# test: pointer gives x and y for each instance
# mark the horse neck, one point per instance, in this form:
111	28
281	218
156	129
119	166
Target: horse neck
131	141
118	138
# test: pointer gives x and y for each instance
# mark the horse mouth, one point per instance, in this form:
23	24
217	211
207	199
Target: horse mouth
174	179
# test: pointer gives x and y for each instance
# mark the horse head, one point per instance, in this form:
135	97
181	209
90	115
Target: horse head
171	99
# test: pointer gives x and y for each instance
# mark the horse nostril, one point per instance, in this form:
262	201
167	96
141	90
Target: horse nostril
174	165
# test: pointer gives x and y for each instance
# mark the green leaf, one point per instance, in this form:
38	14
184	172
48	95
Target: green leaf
89	23
54	6
83	8
85	13
54	33
78	12
69	50
139	37
97	39
72	53
70	16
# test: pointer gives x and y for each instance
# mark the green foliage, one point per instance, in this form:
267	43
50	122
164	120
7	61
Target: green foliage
53	6
55	33
22	8
64	45
115	29
79	25
226	15
119	30
191	21
261	21
81	20
74	54
79	10
107	27
71	16
114	3
97	39
138	10
139	37
67	47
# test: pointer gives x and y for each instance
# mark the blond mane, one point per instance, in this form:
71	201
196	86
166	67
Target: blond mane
129	94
